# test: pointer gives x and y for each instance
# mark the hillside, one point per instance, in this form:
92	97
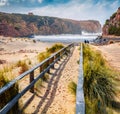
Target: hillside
112	25
20	25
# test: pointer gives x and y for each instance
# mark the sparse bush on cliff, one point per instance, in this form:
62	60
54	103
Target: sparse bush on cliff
113	30
112	25
113	15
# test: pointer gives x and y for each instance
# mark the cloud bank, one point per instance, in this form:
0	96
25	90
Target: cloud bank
74	9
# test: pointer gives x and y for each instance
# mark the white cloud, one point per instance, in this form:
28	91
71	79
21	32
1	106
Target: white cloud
79	11
76	9
40	1
3	2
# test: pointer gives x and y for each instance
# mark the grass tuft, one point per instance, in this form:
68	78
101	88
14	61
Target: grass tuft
23	66
72	87
54	48
98	82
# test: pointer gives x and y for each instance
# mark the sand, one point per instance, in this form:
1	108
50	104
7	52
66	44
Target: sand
15	49
54	96
111	53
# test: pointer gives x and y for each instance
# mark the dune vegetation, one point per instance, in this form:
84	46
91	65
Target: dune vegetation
99	83
99	87
10	93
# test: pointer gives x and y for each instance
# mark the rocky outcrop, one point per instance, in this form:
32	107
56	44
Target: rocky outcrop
112	25
20	25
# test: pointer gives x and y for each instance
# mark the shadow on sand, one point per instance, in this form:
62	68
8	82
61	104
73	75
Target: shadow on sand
51	88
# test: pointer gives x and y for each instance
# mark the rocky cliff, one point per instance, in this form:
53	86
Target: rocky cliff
112	25
19	25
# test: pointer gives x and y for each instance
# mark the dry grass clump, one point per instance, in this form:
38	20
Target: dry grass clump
72	87
23	66
99	89
9	94
3	79
44	55
39	83
54	48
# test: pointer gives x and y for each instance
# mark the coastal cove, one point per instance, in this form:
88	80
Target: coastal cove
66	38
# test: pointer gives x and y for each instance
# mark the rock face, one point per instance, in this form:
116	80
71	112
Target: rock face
112	25
20	25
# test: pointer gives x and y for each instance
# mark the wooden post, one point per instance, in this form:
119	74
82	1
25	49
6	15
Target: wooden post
52	61
58	56
31	79
48	63
66	53
41	68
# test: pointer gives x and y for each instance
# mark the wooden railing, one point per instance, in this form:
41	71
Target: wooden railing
50	64
80	103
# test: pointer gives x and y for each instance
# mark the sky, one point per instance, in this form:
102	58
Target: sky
73	9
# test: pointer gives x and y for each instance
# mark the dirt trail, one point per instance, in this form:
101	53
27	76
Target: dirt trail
54	96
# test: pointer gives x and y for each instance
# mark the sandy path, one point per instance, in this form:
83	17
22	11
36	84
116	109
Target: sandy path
54	96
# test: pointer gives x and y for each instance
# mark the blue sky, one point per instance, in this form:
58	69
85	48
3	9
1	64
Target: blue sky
74	9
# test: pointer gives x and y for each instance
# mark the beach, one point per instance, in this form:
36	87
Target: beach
14	49
54	96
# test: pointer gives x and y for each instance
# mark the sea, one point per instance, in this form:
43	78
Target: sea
67	38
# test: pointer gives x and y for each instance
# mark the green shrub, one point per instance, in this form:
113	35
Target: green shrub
72	87
55	48
9	94
42	56
23	66
78	61
114	30
3	80
98	84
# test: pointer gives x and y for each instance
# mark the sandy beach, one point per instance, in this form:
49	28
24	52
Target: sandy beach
15	49
111	53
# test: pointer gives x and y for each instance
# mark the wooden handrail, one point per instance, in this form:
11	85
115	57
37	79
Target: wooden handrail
11	103
80	103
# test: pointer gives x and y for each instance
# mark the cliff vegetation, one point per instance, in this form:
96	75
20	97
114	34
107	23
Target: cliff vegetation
20	25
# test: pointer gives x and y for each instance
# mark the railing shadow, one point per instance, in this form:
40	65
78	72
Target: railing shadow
26	104
52	87
116	106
